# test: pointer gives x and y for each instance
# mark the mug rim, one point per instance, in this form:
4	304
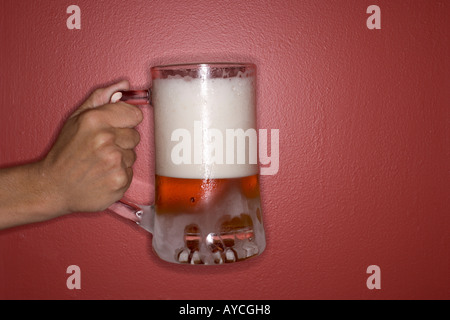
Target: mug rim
187	66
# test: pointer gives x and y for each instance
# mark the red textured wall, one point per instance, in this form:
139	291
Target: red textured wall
364	144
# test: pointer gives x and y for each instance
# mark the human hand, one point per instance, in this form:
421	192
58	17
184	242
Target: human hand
90	165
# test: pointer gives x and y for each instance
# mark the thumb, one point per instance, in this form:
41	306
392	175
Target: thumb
102	96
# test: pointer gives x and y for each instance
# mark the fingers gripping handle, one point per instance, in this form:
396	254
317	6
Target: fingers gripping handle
142	215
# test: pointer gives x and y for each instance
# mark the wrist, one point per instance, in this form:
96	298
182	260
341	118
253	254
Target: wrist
35	204
49	203
26	196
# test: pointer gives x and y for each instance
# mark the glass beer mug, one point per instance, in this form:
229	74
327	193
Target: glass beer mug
207	207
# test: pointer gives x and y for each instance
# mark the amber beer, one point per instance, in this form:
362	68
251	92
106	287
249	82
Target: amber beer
208	210
212	202
175	195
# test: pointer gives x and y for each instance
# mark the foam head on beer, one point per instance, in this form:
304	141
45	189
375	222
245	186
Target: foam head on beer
209	125
207	203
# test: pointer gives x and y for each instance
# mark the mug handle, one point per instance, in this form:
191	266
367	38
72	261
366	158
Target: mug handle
143	215
134	97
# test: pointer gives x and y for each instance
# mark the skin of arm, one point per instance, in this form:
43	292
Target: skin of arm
88	168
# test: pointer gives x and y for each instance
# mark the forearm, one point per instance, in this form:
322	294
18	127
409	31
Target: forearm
25	196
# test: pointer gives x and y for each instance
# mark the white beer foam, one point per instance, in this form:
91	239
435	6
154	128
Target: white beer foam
221	103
